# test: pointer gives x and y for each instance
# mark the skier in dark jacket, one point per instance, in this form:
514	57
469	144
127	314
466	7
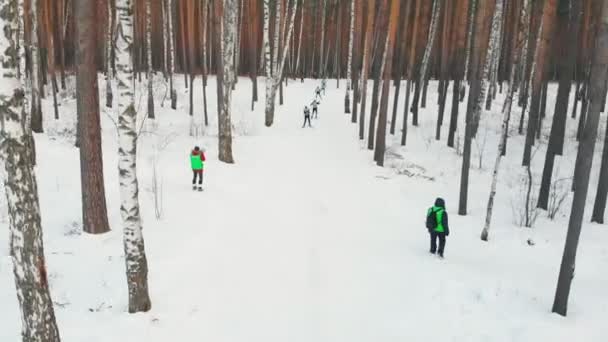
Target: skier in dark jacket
315	109
437	224
306	117
318	93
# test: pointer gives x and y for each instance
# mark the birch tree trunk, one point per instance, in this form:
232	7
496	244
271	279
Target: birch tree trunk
351	36
109	95
269	109
150	74
228	37
597	92
171	33
437	4
506	116
273	81
321	55
135	255
25	231
480	68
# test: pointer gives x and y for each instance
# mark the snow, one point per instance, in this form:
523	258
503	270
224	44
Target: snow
304	238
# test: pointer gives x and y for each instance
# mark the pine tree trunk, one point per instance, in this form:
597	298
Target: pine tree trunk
34	81
135	255
94	212
228	36
26	243
367	51
599	206
205	17
388	68
569	28
109	31
545	36
587	145
401	37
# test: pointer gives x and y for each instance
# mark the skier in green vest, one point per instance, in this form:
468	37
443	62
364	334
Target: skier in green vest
197	161
437	224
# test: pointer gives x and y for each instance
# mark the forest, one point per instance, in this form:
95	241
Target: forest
407	74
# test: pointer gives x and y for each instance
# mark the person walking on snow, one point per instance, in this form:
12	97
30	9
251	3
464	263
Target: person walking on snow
197	161
323	85
306	117
315	109
437	224
318	93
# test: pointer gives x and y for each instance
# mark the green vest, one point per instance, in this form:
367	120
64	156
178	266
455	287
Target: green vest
196	162
439	212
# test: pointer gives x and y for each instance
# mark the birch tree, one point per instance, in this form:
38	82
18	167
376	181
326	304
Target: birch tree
437	4
506	116
150	74
135	255
480	65
597	92
367	47
274	69
25	231
171	34
349	66
229	20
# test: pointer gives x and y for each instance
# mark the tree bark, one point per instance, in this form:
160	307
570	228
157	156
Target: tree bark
479	74
388	68
94	212
135	255
367	47
587	145
26	242
150	74
228	15
599	206
568	28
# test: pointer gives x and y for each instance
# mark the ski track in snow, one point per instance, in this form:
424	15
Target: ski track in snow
304	238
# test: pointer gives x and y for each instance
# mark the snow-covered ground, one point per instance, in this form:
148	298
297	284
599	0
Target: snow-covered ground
305	239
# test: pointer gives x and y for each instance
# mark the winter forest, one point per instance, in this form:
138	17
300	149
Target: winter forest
287	162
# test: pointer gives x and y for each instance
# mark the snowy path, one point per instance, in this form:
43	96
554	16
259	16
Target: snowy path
304	239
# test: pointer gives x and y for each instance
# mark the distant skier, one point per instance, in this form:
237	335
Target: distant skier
437	224
318	93
323	85
315	109
306	117
197	161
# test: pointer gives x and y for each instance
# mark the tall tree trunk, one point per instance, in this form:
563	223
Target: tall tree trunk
150	74
587	145
388	68
34	80
322	41
269	109
568	26
506	114
437	5
599	206
108	59
171	33
351	35
94	212
228	15
135	255
545	36
204	9
401	40
480	65
367	51
26	243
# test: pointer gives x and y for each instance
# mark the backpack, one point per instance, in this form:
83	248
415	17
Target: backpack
431	219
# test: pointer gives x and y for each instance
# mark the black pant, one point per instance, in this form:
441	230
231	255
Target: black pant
315	113
198	173
306	119
434	236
